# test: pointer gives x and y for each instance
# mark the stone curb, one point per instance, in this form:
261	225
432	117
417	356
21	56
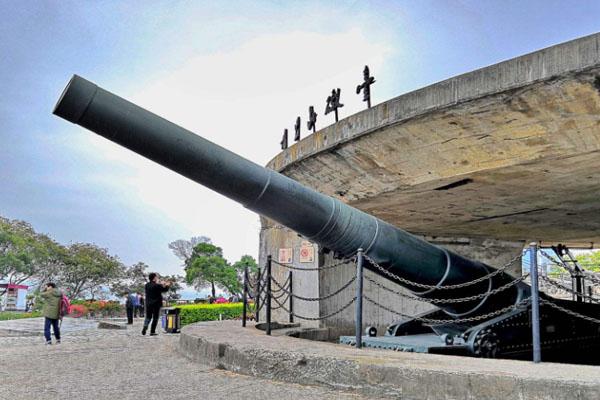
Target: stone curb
228	346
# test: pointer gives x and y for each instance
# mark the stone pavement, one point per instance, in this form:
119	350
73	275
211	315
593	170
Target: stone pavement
122	364
35	326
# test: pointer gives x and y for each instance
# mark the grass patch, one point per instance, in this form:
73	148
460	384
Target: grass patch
8	315
191	313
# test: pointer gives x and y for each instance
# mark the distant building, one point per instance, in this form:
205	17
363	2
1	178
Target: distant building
14	298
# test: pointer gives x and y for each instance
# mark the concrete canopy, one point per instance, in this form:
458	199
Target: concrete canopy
510	151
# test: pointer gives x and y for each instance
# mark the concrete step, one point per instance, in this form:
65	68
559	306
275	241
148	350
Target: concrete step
225	344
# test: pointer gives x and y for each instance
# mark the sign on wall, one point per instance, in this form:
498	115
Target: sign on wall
286	256
307	252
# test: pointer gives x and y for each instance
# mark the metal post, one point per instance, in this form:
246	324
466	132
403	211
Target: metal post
268	295
535	304
359	295
291	288
245	297
257	296
579	285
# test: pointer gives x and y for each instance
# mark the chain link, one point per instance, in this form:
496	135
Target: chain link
587	274
320	317
449	301
280	285
457	286
449	321
343	262
316	298
566	289
592	277
282	293
567	311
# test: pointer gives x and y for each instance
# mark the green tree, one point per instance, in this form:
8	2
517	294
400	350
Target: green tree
133	280
183	249
88	268
239	266
26	255
589	261
175	281
205	267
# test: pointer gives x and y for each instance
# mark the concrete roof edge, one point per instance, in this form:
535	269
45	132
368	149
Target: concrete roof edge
568	57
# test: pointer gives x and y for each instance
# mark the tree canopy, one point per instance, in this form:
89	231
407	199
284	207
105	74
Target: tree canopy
206	267
132	281
183	248
26	255
589	261
87	268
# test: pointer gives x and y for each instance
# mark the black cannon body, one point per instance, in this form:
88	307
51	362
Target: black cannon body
329	222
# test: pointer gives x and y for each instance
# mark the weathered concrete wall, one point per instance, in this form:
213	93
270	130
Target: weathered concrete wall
306	283
332	279
495	253
322	283
509	151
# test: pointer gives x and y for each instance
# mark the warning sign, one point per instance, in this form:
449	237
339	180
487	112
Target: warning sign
307	254
286	256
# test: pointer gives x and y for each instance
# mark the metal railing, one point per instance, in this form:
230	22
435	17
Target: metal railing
282	296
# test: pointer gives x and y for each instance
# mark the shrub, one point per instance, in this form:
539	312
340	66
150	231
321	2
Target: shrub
96	308
78	310
209	312
6	315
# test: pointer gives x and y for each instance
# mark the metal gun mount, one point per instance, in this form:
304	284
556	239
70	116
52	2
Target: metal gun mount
339	227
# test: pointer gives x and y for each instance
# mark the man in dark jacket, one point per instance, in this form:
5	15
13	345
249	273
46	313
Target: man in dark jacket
154	291
51	296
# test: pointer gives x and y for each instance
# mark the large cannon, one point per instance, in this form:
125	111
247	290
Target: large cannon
324	220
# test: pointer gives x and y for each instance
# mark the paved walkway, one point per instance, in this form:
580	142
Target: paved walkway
122	364
34	326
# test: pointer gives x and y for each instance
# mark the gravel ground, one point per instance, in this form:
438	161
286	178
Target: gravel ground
122	364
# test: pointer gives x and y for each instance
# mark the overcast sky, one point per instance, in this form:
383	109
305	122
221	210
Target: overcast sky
237	73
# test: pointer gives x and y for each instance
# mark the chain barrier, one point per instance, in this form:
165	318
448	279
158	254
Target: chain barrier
558	263
452	300
320	317
262	303
278	306
343	262
588	275
592	277
281	286
450	321
258	279
448	287
316	298
567	289
567	311
282	293
262	289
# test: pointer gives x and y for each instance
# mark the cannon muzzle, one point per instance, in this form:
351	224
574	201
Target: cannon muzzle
322	219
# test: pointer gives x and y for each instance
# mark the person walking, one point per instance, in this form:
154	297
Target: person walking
51	296
129	307
141	301
136	305
154	290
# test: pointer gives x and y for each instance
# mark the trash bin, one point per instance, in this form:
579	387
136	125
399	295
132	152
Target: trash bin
171	321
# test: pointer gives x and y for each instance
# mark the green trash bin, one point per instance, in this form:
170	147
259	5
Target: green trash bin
171	320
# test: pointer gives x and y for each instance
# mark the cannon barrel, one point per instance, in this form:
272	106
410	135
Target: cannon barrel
322	219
